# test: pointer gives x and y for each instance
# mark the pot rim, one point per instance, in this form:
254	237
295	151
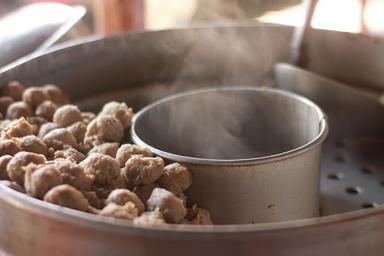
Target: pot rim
40	208
318	140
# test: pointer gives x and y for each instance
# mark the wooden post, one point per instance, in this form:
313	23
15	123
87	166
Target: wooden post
116	16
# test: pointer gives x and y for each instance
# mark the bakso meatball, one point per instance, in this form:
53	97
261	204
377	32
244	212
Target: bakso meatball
88	117
120	111
9	147
103	190
123	196
34	96
149	218
39	179
104	129
127	211
127	150
78	130
5	102
36	122
4	160
103	167
55	94
73	174
31	143
13	185
168	204
197	216
176	178
144	191
46	110
60	137
142	170
67	196
46	128
14	90
16	166
67	115
18	128
108	148
3	125
93	199
18	109
70	154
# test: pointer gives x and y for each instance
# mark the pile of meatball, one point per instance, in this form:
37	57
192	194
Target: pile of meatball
52	151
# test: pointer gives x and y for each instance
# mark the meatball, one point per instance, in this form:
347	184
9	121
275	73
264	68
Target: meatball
55	94
67	115
176	178
197	216
67	196
9	147
93	199
18	109
14	90
59	137
39	179
46	128
70	154
84	148
3	125
103	191
143	170
5	102
149	218
109	148
33	144
18	128
104	129
46	110
34	96
88	117
73	174
120	111
144	191
36	122
127	150
16	167
168	204
78	130
123	196
127	211
4	160
12	185
183	198
104	168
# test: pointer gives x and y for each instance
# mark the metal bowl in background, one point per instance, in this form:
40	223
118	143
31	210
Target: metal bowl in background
34	28
254	153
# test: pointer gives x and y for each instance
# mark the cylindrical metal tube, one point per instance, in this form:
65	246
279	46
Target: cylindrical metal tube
254	153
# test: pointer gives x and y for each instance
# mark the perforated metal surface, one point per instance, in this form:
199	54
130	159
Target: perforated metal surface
352	175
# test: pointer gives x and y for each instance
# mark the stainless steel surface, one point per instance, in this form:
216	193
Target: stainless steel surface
354	59
263	143
34	28
352	162
140	68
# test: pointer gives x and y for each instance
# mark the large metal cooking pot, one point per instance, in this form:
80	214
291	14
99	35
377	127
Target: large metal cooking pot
142	67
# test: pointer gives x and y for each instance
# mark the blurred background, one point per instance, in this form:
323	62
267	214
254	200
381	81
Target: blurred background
115	16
